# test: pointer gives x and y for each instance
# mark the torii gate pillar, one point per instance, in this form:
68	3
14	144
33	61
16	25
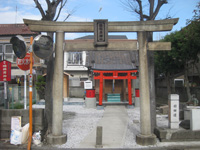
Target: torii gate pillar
145	137
57	137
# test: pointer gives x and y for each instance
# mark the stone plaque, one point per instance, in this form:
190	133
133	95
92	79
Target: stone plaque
100	32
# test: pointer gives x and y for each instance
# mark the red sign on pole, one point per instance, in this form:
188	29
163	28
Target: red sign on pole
5	70
24	64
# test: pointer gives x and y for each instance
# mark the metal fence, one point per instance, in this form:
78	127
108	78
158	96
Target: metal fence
16	95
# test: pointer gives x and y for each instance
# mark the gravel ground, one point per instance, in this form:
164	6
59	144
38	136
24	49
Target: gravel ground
134	127
79	124
79	121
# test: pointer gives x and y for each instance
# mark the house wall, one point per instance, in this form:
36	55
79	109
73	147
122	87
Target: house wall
66	86
79	73
76	83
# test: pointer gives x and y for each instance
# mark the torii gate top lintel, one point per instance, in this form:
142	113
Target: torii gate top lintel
122	26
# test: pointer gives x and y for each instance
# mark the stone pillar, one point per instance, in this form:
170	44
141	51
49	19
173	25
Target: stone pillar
57	137
145	137
173	100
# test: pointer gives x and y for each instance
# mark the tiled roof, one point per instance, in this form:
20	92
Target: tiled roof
15	29
110	60
113	60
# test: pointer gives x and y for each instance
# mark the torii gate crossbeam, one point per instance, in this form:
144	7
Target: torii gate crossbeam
146	137
123	26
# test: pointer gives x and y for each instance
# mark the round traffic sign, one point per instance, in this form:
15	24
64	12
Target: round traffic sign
24	64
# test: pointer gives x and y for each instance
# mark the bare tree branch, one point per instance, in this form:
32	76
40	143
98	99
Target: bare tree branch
168	15
61	6
48	3
52	6
60	9
38	5
49	12
57	2
141	11
151	2
146	17
137	11
129	5
160	3
67	17
69	14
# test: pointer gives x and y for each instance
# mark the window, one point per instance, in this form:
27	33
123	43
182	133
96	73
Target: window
75	58
8	53
179	82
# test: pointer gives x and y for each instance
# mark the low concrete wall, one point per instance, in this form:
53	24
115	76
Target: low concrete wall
161	91
77	92
5	120
180	135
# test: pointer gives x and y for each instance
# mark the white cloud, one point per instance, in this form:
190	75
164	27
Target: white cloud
30	4
32	16
77	18
5	8
10	17
73	17
26	2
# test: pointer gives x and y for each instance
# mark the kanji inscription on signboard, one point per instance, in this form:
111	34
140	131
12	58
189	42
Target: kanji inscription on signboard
5	70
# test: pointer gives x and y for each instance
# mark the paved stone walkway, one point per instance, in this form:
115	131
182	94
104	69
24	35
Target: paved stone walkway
114	123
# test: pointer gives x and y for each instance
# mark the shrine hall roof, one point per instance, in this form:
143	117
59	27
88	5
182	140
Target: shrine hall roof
112	60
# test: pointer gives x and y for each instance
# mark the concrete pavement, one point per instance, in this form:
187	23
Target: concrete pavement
114	123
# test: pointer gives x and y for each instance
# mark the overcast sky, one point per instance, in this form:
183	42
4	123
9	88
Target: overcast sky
13	11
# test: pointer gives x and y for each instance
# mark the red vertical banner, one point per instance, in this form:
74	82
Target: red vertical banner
5	70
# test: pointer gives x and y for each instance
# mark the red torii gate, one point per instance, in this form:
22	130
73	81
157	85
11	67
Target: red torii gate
115	74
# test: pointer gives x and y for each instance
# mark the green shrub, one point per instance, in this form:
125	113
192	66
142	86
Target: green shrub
17	105
40	86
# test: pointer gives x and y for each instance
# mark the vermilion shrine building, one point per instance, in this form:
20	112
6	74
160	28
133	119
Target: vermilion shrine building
112	72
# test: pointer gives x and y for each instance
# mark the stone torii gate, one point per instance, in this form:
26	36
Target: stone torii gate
146	137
